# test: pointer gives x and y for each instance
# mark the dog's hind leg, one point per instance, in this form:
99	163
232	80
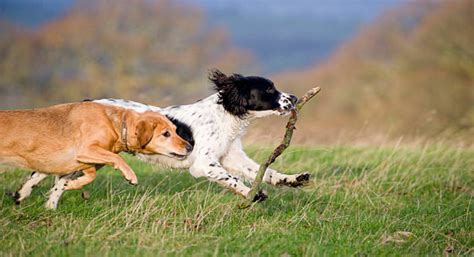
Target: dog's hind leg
34	179
238	162
87	176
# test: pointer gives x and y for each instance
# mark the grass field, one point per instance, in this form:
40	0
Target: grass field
362	201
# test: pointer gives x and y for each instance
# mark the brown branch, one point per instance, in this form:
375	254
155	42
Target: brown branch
290	127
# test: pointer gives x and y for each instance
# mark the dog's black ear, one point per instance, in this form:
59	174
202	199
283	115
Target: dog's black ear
182	129
233	92
219	79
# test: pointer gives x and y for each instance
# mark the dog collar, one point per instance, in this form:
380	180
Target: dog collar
124	135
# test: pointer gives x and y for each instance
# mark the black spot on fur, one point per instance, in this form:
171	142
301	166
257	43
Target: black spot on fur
76	175
15	196
183	130
213	164
303	177
260	197
301	180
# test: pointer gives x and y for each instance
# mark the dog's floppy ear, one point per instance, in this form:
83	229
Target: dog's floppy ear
219	79
144	133
233	92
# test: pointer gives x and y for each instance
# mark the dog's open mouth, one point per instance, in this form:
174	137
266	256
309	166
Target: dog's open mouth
178	156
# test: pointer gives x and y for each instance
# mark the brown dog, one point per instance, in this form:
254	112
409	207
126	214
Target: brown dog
61	139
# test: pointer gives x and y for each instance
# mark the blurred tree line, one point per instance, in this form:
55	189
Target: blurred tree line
153	51
409	73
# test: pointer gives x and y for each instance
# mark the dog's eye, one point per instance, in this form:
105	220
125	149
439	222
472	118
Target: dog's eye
167	134
270	90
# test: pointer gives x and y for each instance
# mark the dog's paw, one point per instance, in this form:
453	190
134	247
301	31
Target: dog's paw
86	195
303	177
132	179
300	180
15	196
51	205
260	197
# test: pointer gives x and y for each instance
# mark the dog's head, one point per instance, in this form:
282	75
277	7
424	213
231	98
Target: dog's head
251	95
153	133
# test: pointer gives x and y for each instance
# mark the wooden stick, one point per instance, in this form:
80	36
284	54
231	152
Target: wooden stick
290	127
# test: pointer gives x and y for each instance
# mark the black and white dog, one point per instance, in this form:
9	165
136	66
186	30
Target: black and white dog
215	125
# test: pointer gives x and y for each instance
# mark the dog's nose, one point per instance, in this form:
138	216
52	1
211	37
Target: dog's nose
294	99
189	148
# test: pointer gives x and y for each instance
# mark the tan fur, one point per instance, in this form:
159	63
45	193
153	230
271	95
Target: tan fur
65	138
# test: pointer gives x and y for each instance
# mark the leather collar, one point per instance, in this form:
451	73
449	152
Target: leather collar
123	136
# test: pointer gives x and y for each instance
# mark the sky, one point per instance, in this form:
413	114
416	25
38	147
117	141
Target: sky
282	35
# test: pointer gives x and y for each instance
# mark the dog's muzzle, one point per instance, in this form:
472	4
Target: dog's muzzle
287	103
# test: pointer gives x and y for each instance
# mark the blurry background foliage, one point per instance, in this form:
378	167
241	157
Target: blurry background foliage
152	52
409	73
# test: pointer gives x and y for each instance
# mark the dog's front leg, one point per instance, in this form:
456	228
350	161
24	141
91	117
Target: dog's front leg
214	172
237	161
98	155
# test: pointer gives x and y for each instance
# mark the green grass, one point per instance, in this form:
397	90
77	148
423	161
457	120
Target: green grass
363	201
